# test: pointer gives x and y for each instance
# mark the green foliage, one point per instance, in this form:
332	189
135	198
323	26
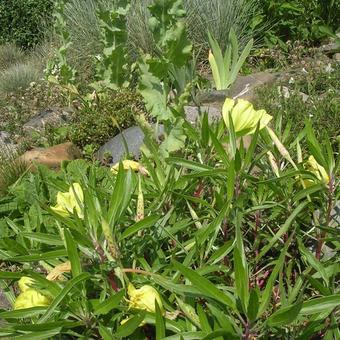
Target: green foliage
226	66
227	260
157	73
25	22
305	20
218	16
59	70
97	124
112	67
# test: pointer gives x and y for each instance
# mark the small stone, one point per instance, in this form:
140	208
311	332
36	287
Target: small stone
51	116
336	57
51	157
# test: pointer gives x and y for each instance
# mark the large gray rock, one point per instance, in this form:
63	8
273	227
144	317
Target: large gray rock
50	117
244	87
127	142
193	112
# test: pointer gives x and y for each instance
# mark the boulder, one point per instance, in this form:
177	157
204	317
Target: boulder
127	142
192	112
244	87
49	117
51	157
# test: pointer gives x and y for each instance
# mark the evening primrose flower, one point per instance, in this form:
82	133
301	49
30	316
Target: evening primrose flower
144	298
128	164
31	298
245	118
25	283
68	201
318	170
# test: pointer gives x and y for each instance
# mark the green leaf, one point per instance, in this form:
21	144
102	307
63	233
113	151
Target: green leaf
129	326
267	293
72	253
204	285
146	223
321	304
50	255
160	323
225	334
23	313
188	164
241	279
40	335
188	311
175	140
283	229
284	316
253	305
53	240
110	303
59	298
203	319
311	259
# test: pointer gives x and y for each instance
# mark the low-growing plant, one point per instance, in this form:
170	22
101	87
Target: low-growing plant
115	111
19	76
10	54
217	241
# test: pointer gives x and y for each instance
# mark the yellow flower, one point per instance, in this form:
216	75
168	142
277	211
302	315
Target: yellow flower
68	201
318	170
31	298
25	283
245	118
144	298
127	164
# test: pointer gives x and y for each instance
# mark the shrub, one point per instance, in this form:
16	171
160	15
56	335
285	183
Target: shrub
25	22
97	124
19	76
10	55
305	20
